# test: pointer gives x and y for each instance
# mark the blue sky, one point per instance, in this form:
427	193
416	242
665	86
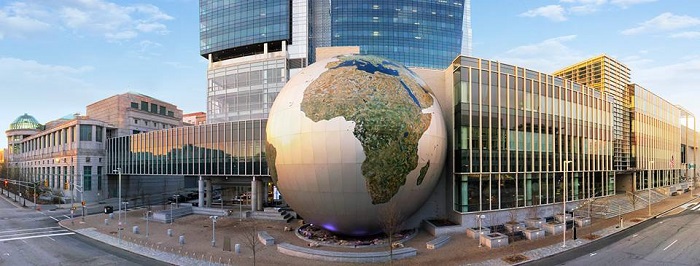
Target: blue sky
58	56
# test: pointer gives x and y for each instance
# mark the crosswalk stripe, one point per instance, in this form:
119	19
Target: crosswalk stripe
32	229
28	237
696	207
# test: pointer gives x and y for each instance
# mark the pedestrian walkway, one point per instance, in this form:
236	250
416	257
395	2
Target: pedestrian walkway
199	232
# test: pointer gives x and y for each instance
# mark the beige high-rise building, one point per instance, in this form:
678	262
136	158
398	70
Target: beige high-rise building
607	75
133	113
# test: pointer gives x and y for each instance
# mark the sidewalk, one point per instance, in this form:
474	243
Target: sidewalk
197	230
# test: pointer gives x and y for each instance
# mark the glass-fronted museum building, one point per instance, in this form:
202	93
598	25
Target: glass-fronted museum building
519	132
221	149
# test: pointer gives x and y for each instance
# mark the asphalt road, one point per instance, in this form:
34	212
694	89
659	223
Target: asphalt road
671	240
29	237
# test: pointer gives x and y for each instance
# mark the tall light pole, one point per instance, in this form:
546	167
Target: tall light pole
148	213
213	230
119	213
566	167
481	217
650	164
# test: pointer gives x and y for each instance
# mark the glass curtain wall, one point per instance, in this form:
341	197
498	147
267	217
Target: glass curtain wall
231	148
515	129
657	132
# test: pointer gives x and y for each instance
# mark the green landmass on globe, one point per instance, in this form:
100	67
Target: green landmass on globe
385	102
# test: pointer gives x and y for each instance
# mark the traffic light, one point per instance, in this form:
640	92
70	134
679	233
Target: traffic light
6	183
83	202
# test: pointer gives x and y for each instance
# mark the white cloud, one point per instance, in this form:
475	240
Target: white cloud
546	56
15	21
664	22
678	82
113	21
687	35
628	3
31	84
551	12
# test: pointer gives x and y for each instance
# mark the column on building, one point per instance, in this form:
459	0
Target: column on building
200	200
207	187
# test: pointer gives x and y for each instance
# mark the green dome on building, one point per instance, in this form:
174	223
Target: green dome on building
26	121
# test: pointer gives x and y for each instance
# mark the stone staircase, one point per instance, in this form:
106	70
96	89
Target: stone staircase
274	214
612	206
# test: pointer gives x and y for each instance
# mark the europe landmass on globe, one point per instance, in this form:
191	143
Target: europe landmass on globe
386	105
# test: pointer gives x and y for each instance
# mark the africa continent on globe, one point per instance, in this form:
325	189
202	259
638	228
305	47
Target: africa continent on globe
350	134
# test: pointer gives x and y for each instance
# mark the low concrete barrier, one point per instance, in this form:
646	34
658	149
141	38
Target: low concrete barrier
437	242
265	238
356	257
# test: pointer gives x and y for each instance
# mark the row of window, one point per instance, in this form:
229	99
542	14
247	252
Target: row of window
154	108
63	136
233	148
59	177
156	124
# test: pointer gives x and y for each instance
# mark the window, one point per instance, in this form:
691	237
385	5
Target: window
87	178
87	159
171	114
154	108
135	132
136	121
85	132
98	133
135	105
162	110
99	177
144	106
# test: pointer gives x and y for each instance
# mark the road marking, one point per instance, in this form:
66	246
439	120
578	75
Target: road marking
53	218
593	254
696	207
28	237
67	217
32	229
671	244
635	235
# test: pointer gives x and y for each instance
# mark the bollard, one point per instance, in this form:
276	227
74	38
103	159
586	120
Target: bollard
135	229
182	240
237	248
170	232
106	221
111	216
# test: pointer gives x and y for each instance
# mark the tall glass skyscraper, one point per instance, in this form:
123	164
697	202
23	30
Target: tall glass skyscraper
416	33
254	47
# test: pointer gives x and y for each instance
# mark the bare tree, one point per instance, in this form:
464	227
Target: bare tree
633	199
250	236
391	220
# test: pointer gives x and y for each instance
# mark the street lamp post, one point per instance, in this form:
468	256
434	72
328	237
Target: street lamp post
481	217
148	213
651	163
213	230
119	212
566	167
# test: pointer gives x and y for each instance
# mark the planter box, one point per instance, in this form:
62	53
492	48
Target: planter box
582	221
534	233
534	222
516	227
554	228
494	240
474	232
560	217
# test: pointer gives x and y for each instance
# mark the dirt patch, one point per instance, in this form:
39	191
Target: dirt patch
513	259
636	220
591	237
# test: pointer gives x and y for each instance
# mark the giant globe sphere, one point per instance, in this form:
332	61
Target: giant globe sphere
352	136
